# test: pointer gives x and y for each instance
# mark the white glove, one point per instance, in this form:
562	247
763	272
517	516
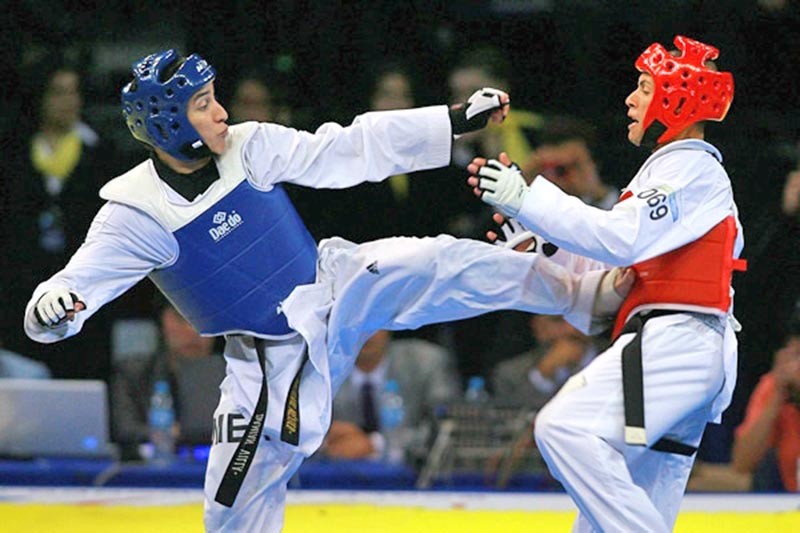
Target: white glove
475	113
515	233
52	308
502	187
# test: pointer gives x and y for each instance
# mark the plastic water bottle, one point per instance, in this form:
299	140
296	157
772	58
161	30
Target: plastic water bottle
393	414
476	394
161	418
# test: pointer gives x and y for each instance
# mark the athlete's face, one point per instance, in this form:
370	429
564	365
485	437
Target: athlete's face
638	102
208	117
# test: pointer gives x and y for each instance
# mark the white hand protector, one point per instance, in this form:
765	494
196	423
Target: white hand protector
515	233
484	101
474	114
52	308
502	187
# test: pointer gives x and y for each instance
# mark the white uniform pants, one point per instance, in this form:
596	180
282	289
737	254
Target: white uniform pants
261	499
398	283
580	432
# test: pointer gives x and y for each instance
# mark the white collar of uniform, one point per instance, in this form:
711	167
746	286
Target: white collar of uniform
686	144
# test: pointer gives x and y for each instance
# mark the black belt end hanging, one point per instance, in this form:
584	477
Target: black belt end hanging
246	450
633	389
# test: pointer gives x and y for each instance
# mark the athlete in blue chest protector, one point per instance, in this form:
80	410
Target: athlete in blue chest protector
206	218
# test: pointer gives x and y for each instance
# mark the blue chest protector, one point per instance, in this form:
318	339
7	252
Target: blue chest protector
237	261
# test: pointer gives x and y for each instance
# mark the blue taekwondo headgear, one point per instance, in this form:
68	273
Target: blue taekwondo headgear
155	102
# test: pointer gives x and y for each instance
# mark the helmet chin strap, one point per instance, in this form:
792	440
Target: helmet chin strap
189	152
651	135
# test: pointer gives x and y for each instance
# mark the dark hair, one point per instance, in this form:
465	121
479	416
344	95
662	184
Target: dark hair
489	59
391	66
559	129
276	82
35	79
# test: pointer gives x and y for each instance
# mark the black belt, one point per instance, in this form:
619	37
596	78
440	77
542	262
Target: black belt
633	388
290	431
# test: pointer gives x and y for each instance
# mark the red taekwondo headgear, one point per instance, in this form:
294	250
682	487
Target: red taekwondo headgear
685	90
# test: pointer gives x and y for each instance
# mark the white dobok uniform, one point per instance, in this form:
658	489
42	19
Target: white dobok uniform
688	358
397	283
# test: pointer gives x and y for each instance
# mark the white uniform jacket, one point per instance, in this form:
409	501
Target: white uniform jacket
124	244
680	193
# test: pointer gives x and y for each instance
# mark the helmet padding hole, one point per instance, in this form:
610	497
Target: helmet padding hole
161	131
168	71
680	106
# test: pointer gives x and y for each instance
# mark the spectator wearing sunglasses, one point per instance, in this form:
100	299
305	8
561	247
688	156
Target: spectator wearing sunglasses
564	157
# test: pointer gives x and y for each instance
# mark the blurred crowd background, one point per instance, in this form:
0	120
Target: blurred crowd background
567	64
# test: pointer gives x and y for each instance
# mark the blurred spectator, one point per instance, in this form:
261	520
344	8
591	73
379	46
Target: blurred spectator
400	205
392	89
772	421
773	254
53	171
260	94
426	379
790	200
718	477
183	351
564	157
484	66
255	98
391	198
532	378
476	342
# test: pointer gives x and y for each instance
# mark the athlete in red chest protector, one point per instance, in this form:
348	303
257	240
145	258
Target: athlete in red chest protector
621	435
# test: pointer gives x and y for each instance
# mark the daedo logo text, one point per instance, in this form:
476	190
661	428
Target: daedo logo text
225	224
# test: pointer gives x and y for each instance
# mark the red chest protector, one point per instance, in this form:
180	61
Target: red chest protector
695	277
